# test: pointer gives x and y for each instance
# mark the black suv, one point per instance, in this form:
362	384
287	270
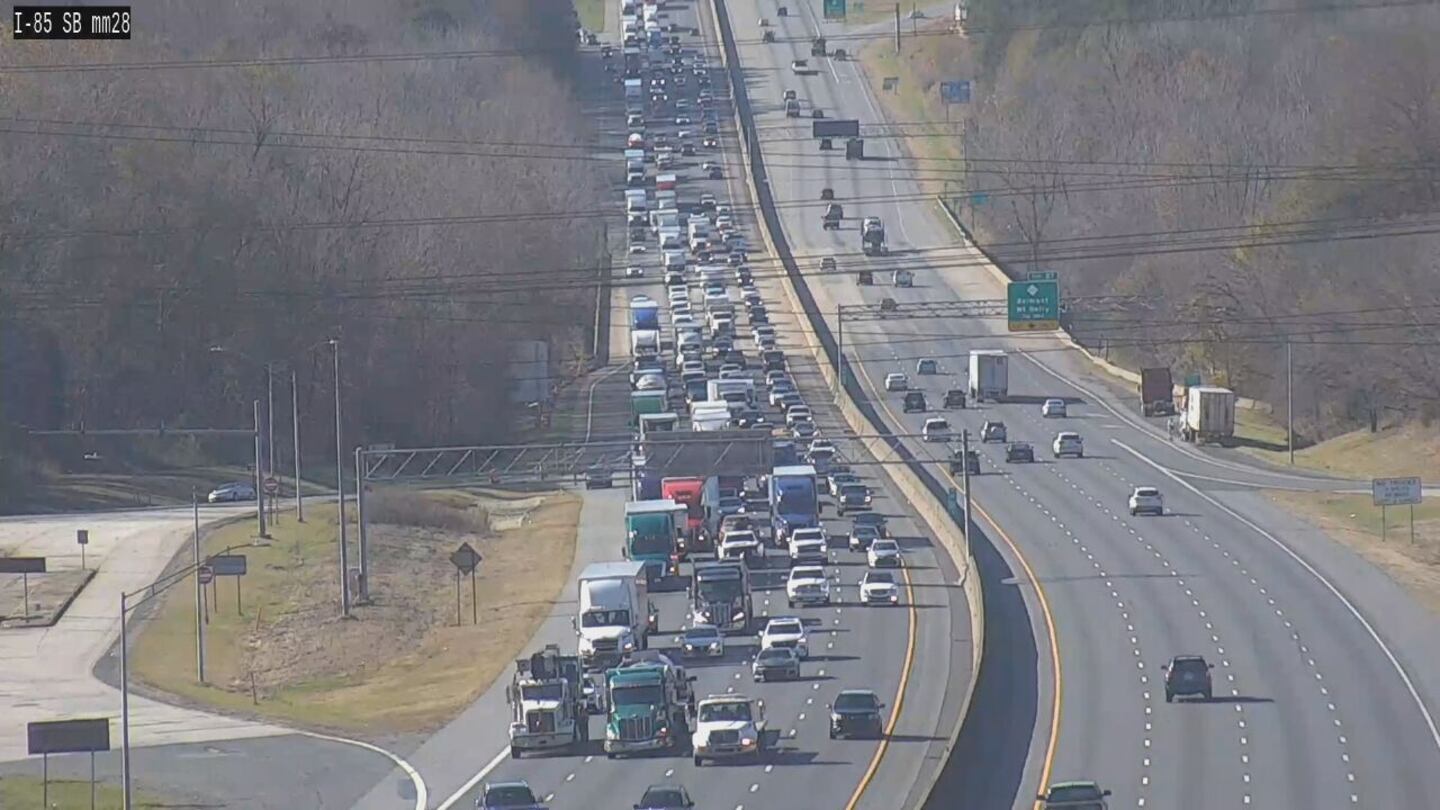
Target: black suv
993	432
914	402
1187	675
1019	451
856	713
955	398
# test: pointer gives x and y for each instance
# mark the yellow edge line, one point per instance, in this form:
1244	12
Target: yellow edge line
899	697
1049	762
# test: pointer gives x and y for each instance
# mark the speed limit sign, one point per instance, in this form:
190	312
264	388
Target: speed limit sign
206	573
272	485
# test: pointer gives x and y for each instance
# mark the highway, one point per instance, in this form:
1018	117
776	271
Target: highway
1315	706
917	656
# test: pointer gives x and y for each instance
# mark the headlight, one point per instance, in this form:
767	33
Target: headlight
738	617
835	717
747	741
894	597
714	645
517	727
689	648
629	646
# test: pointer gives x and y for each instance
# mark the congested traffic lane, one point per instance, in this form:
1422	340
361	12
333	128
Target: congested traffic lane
854	648
1307	743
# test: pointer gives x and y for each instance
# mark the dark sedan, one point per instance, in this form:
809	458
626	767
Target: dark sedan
1019	452
853	498
776	664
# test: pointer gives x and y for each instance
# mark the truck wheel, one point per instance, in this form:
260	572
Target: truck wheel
1169	698
514	752
699	762
609	754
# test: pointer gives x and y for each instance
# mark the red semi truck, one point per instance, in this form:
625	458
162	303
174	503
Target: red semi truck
689	491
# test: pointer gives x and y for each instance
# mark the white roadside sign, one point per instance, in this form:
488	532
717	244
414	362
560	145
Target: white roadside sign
1395	491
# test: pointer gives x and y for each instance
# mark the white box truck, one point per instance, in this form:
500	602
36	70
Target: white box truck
615	613
644	342
1209	414
989	375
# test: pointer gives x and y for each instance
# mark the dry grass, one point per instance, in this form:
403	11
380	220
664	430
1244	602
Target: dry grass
69	794
1352	520
403	664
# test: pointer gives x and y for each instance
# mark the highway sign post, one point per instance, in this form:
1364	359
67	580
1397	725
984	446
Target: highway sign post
228	565
956	92
1034	306
272	485
466	559
24	566
834	9
1388	492
82	539
85	736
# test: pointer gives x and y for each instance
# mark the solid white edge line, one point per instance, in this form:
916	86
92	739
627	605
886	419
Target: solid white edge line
1182	449
422	793
474	780
1350	606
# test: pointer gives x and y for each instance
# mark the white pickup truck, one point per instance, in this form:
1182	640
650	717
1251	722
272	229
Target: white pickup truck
729	727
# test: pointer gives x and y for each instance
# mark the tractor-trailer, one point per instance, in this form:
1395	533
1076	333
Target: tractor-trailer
614	612
645	315
650	532
688	491
989	374
1209	414
1157	392
794	500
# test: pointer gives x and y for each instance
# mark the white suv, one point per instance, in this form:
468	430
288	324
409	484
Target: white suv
935	430
1068	444
728	726
1147	499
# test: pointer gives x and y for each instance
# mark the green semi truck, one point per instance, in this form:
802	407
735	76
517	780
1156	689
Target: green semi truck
652	705
652	529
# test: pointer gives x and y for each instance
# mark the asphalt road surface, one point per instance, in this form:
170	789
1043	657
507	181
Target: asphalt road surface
1309	709
924	642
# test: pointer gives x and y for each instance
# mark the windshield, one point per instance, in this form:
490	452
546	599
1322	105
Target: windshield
646	695
878	577
1076	793
509	796
857	490
785	628
605	618
542	691
725	590
773	655
701	634
796	499
662	797
646	544
855	701
739	537
725	712
885	545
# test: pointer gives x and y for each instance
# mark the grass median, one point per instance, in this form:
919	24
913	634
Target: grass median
69	794
402	664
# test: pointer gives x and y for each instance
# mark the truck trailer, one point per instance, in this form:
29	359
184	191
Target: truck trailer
615	616
1209	414
1157	392
989	375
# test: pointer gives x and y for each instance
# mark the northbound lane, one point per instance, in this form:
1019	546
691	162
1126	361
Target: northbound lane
1309	708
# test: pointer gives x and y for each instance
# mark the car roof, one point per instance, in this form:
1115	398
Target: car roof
507	783
1068	434
1181	659
787	620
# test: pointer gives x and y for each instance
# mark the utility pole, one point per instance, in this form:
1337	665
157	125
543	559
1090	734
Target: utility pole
360	538
965	482
199	591
1290	400
128	804
270	416
340	490
897	29
259	476
295	425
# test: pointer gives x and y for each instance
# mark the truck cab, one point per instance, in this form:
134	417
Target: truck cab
729	727
547	702
651	702
720	596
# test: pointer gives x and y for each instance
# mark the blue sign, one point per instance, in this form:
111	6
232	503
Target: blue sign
834	9
978	198
1034	306
955	92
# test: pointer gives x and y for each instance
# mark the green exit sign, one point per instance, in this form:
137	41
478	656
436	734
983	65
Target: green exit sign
1034	305
834	9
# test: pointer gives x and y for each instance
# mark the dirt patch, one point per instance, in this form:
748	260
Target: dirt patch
403	663
1352	520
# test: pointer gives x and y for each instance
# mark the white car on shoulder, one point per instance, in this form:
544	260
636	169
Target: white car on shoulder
807	585
786	631
879	588
883	553
1147	500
